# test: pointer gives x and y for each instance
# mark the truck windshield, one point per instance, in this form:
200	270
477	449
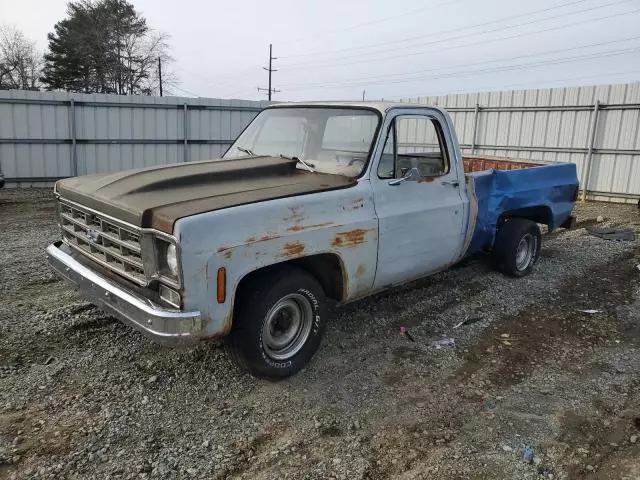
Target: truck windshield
326	140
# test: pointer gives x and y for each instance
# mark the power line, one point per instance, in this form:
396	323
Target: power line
340	60
490	70
224	79
173	85
373	22
466	64
269	90
414	38
473	44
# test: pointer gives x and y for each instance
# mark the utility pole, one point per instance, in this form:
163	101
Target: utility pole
160	73
363	92
269	90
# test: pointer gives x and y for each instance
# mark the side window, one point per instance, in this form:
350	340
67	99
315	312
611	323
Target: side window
420	144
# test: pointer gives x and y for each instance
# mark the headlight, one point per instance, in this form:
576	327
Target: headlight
172	259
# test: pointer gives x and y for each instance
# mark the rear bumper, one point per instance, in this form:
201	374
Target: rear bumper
172	327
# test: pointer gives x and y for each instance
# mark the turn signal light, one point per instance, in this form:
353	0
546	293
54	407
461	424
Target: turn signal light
222	285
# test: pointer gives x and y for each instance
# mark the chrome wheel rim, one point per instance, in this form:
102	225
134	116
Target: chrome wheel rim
287	326
525	251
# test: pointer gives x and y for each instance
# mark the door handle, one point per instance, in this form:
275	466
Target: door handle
452	183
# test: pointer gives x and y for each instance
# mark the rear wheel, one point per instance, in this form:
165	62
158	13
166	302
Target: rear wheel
279	323
517	247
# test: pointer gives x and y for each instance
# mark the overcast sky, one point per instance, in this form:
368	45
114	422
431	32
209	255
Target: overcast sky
335	49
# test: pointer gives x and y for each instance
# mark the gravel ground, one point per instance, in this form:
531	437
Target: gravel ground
533	388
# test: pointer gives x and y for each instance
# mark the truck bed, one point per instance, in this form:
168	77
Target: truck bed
500	187
480	163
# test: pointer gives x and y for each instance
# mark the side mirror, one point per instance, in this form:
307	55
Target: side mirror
412	175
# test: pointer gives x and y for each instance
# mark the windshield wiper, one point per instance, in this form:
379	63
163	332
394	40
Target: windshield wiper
308	166
246	150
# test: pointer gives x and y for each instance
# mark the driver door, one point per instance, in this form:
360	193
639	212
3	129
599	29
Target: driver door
418	200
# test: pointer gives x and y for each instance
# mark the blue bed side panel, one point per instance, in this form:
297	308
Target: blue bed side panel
499	191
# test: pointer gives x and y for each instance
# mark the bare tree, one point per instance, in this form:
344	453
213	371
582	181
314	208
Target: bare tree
140	56
20	61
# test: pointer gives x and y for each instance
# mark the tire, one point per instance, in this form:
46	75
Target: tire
265	318
517	247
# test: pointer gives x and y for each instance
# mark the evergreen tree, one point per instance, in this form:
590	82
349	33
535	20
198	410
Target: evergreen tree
103	46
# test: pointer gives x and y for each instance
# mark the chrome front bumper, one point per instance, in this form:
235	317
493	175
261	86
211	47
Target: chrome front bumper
173	327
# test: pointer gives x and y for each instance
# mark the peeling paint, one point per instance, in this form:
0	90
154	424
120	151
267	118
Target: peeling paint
227	253
297	215
356	204
299	228
350	238
268	236
291	249
345	284
264	238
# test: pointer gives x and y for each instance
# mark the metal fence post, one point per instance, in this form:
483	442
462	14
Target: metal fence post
587	161
476	113
74	153
185	156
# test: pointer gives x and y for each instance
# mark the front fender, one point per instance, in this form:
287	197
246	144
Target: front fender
247	238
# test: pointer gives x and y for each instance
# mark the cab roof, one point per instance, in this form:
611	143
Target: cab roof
382	107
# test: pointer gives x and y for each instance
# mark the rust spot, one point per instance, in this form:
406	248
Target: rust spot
226	325
268	236
345	284
349	239
291	249
227	253
427	179
298	228
223	248
361	270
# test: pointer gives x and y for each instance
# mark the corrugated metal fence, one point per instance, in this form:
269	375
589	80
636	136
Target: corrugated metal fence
48	135
595	127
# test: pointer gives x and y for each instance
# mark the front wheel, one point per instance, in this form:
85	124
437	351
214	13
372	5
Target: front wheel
517	247
279	323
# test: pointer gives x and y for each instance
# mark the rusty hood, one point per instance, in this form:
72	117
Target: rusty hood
156	197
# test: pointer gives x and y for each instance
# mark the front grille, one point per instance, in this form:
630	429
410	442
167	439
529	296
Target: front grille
110	243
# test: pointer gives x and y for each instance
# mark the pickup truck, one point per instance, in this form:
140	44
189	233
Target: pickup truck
313	203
